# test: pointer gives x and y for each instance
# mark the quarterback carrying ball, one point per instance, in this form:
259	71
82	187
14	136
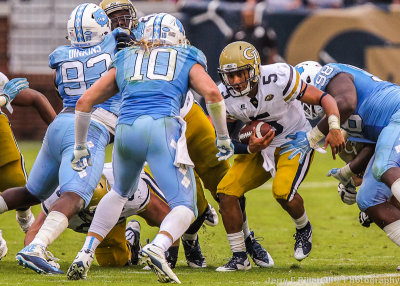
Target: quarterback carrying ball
270	93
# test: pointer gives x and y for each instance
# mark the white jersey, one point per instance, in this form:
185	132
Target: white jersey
135	204
275	103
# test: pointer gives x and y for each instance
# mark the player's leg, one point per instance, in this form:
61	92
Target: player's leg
200	136
128	160
76	189
42	182
12	169
246	174
154	213
114	250
178	185
288	177
386	168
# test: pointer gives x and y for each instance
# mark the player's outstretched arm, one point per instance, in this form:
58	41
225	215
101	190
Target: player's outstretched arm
31	97
334	137
99	92
202	83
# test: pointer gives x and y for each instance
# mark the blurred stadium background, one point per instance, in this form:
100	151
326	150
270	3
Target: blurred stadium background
355	32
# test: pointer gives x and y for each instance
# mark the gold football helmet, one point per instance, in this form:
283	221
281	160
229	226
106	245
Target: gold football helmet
239	56
103	187
111	6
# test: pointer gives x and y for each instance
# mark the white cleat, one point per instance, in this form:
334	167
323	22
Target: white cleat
80	266
34	257
25	222
154	256
3	246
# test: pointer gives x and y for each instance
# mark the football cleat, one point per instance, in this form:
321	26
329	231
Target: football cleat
34	257
3	246
303	243
25	222
132	234
211	216
80	266
259	255
154	256
171	255
239	261
194	257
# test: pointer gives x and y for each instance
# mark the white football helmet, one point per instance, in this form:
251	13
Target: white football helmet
308	70
87	25
165	28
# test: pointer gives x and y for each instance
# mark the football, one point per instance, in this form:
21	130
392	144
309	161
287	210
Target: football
261	128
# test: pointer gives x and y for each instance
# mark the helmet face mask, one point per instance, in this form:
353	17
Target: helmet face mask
163	28
122	13
239	61
87	25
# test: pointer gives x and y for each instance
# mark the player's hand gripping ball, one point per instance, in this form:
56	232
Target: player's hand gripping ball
261	128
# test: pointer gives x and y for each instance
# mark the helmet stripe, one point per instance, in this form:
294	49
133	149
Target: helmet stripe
78	22
157	25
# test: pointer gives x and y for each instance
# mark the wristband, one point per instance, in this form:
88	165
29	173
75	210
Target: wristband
217	112
314	136
334	122
82	122
346	172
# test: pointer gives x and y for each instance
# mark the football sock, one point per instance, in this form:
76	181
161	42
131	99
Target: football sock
396	189
91	243
177	222
393	231
55	223
107	213
196	225
236	241
163	241
24	213
301	221
187	236
3	205
245	228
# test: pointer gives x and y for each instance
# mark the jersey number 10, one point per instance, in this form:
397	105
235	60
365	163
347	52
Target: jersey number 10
151	66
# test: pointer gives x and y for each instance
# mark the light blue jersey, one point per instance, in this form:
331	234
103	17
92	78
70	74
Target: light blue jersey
377	100
78	68
157	83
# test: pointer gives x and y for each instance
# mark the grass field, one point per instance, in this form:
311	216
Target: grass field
343	252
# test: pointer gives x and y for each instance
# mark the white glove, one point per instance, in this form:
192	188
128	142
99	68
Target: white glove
81	159
343	175
347	193
225	147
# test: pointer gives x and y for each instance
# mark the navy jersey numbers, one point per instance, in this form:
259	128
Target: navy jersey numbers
77	76
155	71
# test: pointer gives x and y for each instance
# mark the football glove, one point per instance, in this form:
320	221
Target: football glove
338	174
298	145
364	219
347	193
13	87
225	147
81	159
124	38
